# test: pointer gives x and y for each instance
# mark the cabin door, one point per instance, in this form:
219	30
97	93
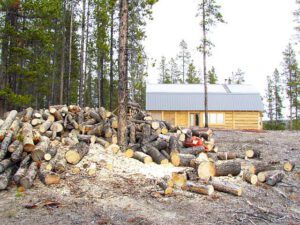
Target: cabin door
195	119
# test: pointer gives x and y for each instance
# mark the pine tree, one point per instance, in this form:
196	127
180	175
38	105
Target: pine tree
290	70
270	98
212	76
238	77
174	72
192	77
278	105
184	58
209	12
164	75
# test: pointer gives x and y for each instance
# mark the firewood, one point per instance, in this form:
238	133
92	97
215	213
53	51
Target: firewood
107	131
179	179
166	154
48	177
169	126
159	144
56	127
13	146
6	163
93	114
253	153
5	178
1	123
257	167
47	124
250	178
262	176
74	109
97	130
40	149
205	169
146	133
210	145
15	126
288	166
16	156
102	113
22	169
88	122
76	153
227	187
182	159
51	152
36	122
193	150
102	142
228	168
227	155
200	134
113	148
86	138
144	158
191	174
167	189
274	178
114	122
5	143
199	188
155	154
36	136
173	145
28	179
129	153
7	123
72	121
37	115
155	125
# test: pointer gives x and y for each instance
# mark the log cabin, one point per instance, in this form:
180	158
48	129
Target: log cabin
236	107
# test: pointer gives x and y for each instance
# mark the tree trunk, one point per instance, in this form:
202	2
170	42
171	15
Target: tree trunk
27	137
70	53
123	78
226	187
81	78
288	166
204	65
48	177
253	153
226	168
111	75
62	65
7	123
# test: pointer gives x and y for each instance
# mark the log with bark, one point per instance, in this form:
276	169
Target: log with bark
182	160
193	150
288	166
5	143
14	145
250	178
7	123
40	149
22	169
274	178
31	173
28	114
48	177
252	153
28	143
5	178
50	154
257	167
228	155
225	186
155	154
198	188
142	157
76	153
228	168
168	190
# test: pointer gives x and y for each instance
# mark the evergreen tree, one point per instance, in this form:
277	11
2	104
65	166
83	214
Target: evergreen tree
290	70
278	105
212	76
270	98
192	77
174	72
184	58
238	77
164	75
209	12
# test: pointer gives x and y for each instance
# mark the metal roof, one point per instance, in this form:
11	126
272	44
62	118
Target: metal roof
191	97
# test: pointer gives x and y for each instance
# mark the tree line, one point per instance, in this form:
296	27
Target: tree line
66	52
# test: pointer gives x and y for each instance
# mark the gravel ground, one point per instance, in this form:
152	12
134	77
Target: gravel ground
124	192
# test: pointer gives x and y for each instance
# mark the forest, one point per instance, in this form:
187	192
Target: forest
66	52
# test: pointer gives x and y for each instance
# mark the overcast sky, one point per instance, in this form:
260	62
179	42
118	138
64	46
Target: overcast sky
253	39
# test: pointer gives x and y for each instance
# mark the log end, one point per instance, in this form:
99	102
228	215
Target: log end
175	159
206	170
29	147
288	166
72	157
129	153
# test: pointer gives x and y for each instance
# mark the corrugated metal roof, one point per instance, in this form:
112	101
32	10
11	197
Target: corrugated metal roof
199	88
176	99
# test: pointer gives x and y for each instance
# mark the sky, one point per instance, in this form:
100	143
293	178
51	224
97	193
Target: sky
253	39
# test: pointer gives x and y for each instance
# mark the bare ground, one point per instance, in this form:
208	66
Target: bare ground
124	192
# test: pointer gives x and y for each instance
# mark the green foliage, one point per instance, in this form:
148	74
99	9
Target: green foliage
212	76
17	100
192	77
271	125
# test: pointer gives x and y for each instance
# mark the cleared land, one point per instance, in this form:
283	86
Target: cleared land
124	192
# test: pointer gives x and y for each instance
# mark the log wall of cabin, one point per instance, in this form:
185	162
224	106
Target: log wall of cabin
237	120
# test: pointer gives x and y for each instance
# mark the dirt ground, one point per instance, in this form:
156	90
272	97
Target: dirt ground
124	192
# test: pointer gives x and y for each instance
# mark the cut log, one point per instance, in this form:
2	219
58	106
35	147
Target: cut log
182	159
93	114
72	121
164	185
15	126
155	154
227	187
114	122
179	179
36	122
288	166
146	133
253	153
37	115
102	142
227	155
129	153
97	130
205	169
48	177
155	125
255	168
5	164
200	134
107	131
193	150
203	189
5	178
228	168
56	128
40	149
250	178
142	157
86	138
5	143
50	154
113	148
47	124
28	179
262	176
36	136
7	123
28	115
16	156
275	178
22	169
165	154
74	155
13	146
159	144
1	123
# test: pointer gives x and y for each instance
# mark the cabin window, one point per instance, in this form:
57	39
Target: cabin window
215	118
194	119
